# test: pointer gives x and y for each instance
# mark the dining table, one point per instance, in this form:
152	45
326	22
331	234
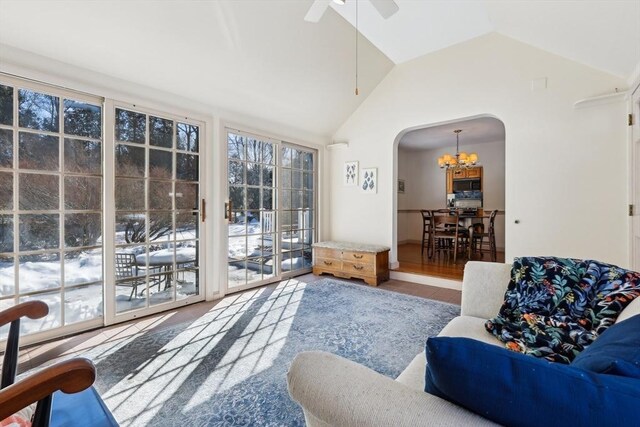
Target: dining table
164	258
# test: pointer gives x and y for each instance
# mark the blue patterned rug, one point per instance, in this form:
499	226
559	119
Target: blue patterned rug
229	367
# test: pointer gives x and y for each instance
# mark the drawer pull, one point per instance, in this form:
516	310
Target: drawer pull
328	263
357	256
358	267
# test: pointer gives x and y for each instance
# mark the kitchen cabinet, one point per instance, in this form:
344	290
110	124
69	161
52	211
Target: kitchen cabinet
470	173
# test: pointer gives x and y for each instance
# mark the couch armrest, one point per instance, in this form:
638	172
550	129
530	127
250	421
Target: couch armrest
483	288
334	391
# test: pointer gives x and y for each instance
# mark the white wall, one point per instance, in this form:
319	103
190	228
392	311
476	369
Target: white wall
566	177
425	185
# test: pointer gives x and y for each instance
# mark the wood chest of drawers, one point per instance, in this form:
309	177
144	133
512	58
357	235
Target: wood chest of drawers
352	260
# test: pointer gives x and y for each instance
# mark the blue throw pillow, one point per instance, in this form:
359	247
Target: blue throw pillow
514	389
619	343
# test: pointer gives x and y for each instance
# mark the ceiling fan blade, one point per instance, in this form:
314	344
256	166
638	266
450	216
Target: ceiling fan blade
386	8
316	10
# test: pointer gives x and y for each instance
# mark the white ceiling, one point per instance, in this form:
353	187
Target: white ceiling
474	131
260	59
603	34
257	58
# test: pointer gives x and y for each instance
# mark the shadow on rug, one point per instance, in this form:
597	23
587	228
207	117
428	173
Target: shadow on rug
229	367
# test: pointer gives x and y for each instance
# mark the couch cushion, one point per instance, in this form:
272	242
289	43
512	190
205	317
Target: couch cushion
620	343
469	327
516	389
461	326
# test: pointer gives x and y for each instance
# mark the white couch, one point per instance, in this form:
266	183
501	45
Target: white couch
334	391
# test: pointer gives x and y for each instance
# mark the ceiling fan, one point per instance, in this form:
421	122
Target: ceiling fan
386	8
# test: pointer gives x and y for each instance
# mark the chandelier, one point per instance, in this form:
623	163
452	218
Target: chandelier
460	160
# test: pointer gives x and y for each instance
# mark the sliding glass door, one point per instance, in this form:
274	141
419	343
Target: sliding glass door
271	209
157	210
51	204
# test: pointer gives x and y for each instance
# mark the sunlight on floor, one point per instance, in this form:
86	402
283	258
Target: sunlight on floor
250	328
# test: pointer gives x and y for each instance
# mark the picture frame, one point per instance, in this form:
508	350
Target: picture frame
350	174
369	180
401	186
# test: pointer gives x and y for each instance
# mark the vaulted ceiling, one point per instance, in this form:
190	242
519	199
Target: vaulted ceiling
261	59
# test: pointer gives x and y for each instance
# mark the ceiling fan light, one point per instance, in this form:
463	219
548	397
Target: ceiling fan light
473	158
340	2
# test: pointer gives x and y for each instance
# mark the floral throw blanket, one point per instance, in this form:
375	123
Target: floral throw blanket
555	307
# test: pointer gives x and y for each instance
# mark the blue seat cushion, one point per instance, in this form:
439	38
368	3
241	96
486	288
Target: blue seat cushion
516	389
616	351
80	409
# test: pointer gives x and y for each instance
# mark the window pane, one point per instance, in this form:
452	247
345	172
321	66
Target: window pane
267	198
84	266
6	148
286	157
307	201
188	137
129	160
82	156
160	226
254	150
39	272
160	164
38	111
236	172
39	192
160	193
130	126
6	190
7	276
237	225
52	320
307	161
82	119
308	180
253	173
267	176
267	153
129	194
83	193
235	146
6	234
186	196
6	105
236	197
285	178
160	132
187	225
39	232
82	230
40	152
186	167
82	303
130	228
296	179
253	198
296	159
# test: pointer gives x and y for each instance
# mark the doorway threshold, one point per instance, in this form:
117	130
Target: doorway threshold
424	279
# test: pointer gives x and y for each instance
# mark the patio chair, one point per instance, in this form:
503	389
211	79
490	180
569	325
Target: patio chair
63	391
129	273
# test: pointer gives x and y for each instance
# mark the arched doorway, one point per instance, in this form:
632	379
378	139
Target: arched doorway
423	185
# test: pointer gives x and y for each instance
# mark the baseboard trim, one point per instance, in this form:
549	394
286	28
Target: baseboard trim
426	280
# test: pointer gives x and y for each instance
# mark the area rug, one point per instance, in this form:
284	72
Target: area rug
228	368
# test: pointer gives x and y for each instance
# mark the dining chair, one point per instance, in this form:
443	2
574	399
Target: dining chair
427	232
478	234
447	235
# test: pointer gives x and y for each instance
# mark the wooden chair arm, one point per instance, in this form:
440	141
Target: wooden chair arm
70	376
30	309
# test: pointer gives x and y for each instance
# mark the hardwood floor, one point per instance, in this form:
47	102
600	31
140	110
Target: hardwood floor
75	345
412	261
